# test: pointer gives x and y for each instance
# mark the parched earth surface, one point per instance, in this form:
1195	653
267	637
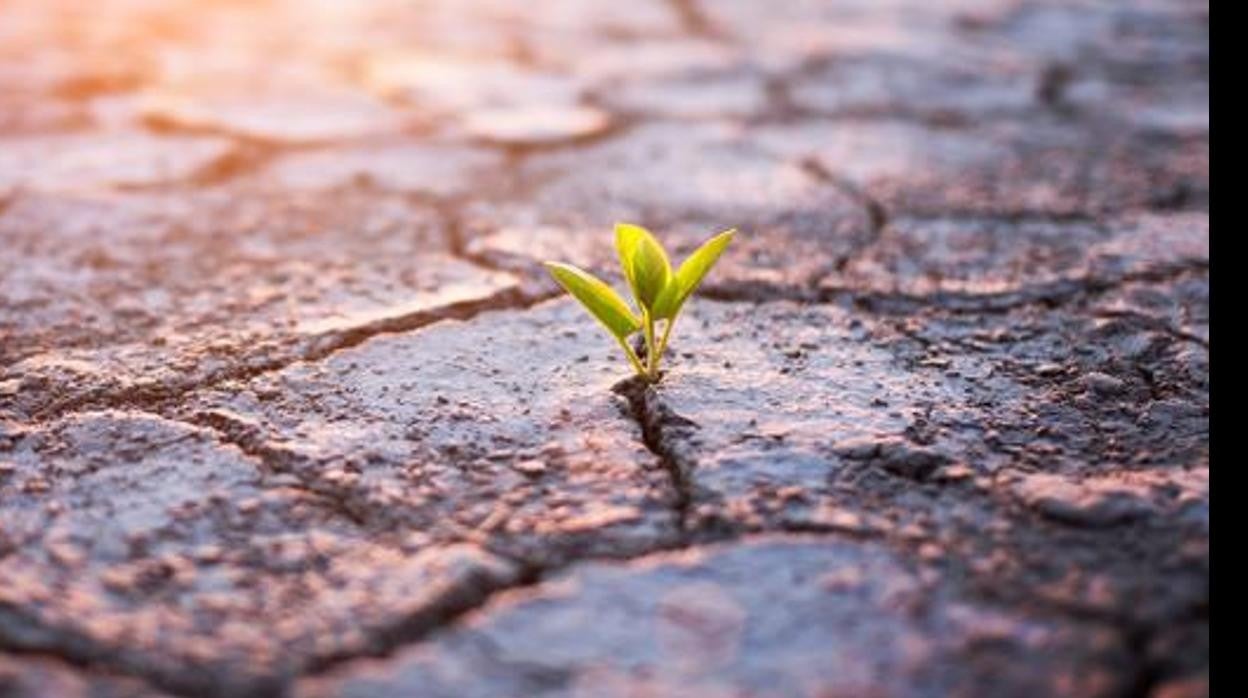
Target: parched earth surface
288	408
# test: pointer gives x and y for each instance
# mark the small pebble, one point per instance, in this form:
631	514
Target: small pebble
1103	384
531	467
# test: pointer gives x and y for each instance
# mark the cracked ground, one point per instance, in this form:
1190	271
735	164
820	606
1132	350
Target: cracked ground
289	408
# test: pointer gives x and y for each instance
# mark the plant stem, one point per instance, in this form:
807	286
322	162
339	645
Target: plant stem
632	357
667	332
652	357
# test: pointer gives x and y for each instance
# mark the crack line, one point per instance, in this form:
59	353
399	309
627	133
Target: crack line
1051	293
661	429
155	398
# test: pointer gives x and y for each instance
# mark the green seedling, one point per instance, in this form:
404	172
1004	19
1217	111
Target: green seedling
658	291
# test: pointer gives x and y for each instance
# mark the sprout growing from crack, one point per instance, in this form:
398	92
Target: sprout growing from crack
658	291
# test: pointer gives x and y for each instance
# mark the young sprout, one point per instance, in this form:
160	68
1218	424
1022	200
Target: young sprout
658	291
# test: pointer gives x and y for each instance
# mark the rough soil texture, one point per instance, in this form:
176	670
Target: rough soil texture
288	407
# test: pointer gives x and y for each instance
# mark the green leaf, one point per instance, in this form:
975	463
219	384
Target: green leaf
690	274
626	237
598	298
644	262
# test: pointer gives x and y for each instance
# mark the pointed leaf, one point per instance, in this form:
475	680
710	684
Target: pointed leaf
598	298
645	263
690	274
626	237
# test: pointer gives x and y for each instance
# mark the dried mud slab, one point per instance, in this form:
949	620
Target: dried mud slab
734	96
127	299
501	429
986	263
536	126
931	90
788	38
447	90
687	182
149	546
408	166
1057	459
647	59
1142	67
77	162
1039	167
782	616
292	118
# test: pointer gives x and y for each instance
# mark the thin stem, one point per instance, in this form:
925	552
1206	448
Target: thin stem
667	332
632	356
652	357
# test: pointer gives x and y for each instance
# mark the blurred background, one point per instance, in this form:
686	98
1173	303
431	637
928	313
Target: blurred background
175	165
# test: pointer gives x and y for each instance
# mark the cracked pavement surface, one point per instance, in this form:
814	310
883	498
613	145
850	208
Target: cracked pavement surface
289	408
